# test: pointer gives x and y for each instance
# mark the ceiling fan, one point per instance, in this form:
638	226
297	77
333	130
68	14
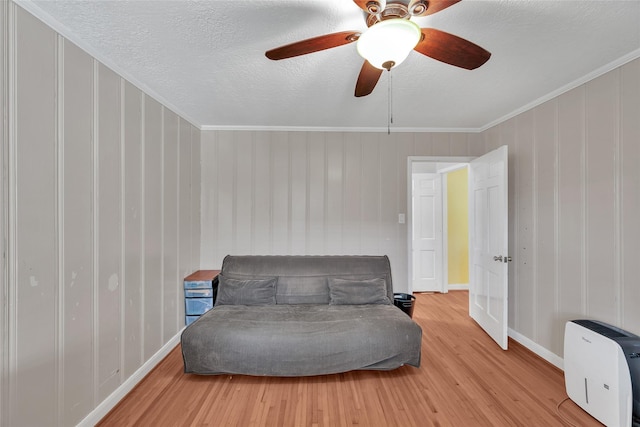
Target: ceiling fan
390	38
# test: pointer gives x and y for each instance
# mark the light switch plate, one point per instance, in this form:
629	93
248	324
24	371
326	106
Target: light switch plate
401	218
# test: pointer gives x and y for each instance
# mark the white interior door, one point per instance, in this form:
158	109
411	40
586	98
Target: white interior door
427	232
488	228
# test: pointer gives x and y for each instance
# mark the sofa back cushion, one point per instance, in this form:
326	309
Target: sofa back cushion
357	292
304	279
246	292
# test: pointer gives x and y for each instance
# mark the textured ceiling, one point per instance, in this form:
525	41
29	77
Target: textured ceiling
205	59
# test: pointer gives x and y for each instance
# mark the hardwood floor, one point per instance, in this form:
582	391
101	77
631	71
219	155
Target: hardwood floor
465	379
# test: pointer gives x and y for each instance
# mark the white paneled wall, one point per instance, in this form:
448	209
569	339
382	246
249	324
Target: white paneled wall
4	136
100	190
313	192
574	208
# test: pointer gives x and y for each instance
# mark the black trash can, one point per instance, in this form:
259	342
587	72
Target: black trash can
404	302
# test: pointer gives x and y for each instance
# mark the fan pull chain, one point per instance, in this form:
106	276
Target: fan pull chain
390	103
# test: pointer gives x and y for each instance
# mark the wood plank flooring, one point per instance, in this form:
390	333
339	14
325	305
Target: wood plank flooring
465	379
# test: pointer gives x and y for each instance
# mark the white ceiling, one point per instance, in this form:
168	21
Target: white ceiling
205	59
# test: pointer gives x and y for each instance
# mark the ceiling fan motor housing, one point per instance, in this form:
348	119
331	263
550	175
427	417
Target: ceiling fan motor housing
393	10
378	10
375	6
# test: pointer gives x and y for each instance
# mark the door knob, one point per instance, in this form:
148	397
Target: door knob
498	258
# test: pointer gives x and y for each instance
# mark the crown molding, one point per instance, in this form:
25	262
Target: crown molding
337	129
566	88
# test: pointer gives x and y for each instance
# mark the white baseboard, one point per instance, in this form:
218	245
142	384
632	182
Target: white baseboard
458	287
110	402
547	355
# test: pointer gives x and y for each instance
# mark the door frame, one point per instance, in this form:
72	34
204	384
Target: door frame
461	161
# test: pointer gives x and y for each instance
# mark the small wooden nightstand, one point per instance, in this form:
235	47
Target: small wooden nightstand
199	294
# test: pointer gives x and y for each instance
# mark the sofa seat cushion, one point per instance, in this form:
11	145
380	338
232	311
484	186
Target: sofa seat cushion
299	340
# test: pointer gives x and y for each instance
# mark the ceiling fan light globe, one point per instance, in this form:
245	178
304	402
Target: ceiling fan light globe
388	41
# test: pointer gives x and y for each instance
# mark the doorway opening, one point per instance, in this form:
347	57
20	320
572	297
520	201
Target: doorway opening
437	223
488	224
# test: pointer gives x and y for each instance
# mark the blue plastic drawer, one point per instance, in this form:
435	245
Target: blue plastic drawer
198	293
191	319
197	305
198	284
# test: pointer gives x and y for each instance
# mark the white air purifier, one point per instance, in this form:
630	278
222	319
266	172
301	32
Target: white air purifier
602	371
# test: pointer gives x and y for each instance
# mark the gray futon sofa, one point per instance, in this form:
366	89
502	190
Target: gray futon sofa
301	315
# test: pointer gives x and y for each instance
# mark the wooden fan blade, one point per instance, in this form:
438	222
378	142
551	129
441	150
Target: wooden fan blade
372	7
314	44
451	49
367	79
